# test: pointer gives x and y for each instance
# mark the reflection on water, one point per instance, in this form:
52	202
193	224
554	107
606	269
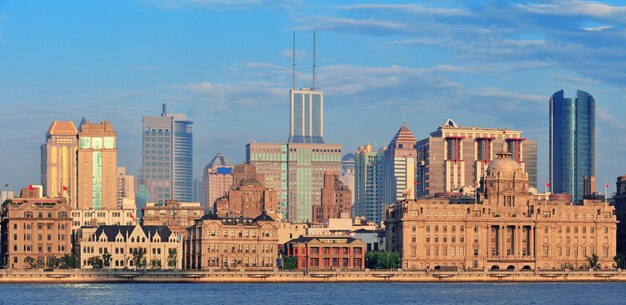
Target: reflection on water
292	294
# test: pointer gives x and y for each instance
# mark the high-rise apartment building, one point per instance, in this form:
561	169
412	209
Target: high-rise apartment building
125	188
368	184
572	142
336	199
270	159
347	172
58	161
167	170
455	157
97	166
217	179
306	124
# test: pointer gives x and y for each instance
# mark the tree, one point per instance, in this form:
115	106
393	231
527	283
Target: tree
172	258
592	260
33	263
68	261
53	261
106	260
96	262
382	260
620	260
155	264
139	258
290	262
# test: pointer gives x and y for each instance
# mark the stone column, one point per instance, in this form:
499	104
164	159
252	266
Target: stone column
532	241
518	241
488	243
502	246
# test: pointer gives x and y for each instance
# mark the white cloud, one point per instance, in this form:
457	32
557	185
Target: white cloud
353	25
407	8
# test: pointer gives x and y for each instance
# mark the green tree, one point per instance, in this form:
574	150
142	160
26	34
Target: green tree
172	258
620	260
106	260
33	263
393	260
53	262
155	264
96	262
290	262
139	258
592	260
68	261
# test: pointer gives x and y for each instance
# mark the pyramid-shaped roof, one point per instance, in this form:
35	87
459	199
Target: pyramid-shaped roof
220	160
66	128
403	135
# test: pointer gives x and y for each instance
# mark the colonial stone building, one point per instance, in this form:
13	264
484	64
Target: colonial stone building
247	197
160	247
505	227
34	231
336	199
327	252
174	214
224	243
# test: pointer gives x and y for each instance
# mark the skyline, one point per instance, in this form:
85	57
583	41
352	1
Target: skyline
374	63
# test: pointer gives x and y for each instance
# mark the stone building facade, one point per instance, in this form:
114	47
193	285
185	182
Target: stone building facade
161	247
506	227
620	209
35	230
336	199
327	252
177	216
225	243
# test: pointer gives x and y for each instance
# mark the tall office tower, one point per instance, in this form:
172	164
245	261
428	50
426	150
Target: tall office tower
216	179
347	173
168	157
58	161
296	172
306	124
399	167
270	159
125	189
306	166
142	197
455	157
97	166
572	142
368	184
198	190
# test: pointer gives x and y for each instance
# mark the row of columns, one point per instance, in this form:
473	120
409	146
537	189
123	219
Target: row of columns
516	245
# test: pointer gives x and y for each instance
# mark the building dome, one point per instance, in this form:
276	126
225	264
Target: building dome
503	164
349	157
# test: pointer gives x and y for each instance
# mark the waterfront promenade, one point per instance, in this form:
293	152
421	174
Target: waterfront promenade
283	276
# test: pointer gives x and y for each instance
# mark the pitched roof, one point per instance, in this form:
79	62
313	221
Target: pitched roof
62	128
403	135
220	160
306	239
111	231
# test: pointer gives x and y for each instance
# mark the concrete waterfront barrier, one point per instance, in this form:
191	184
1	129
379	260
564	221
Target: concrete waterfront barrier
299	276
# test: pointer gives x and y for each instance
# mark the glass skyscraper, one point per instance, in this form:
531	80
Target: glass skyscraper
572	142
306	124
167	170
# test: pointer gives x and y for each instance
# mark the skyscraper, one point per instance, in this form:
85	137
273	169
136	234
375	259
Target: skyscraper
58	161
217	179
368	183
97	166
347	173
306	124
167	170
125	189
454	157
399	167
572	142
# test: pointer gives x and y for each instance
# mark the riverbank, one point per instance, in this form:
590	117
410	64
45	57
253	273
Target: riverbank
276	276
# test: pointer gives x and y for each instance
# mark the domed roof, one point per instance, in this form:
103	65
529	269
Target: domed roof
348	157
503	164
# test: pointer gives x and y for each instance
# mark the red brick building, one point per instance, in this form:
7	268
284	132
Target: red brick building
336	199
327	252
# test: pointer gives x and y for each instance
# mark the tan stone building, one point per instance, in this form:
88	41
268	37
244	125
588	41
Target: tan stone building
58	161
177	216
161	247
217	179
336	199
97	166
506	228
34	230
225	243
86	218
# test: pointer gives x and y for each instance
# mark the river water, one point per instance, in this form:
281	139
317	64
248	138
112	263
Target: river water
296	294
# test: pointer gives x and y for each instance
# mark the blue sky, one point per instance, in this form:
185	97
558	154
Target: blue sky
227	65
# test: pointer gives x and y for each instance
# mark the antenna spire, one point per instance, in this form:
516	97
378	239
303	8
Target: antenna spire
403	117
293	68
313	60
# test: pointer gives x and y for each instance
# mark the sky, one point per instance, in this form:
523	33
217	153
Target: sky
226	64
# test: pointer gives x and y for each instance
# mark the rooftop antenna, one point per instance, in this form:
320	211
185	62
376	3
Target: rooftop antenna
403	117
293	68
313	61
